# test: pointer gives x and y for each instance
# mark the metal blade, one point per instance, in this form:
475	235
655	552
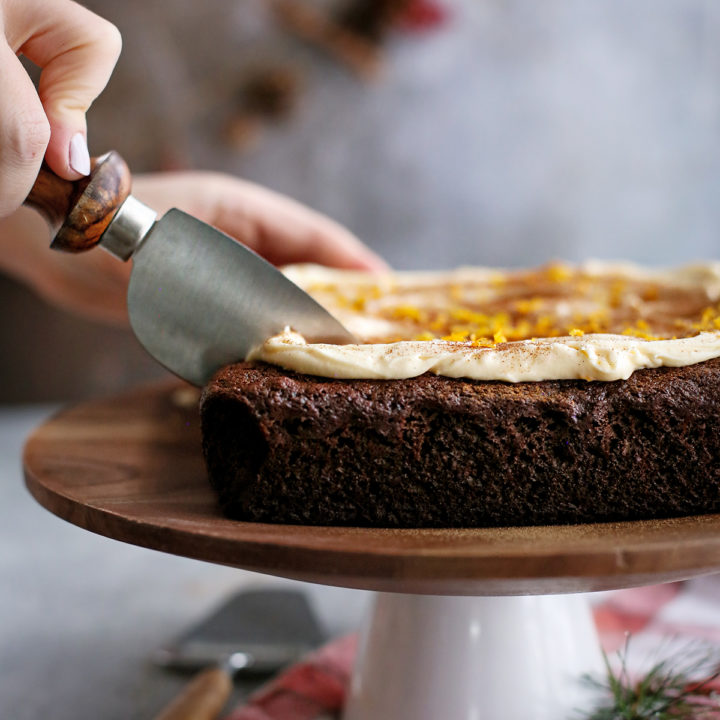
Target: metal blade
198	300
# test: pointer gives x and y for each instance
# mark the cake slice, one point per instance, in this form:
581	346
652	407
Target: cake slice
479	398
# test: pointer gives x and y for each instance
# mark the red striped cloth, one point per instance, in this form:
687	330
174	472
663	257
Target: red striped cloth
662	620
310	689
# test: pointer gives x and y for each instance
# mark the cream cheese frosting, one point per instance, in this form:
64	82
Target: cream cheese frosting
596	321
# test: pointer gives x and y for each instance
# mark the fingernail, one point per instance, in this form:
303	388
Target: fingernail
79	154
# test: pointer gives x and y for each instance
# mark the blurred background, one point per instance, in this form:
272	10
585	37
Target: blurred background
443	133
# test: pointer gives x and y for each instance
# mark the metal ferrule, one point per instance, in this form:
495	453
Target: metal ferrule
126	231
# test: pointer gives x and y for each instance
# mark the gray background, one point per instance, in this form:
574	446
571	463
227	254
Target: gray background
518	133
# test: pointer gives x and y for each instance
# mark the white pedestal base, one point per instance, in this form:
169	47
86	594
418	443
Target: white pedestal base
425	657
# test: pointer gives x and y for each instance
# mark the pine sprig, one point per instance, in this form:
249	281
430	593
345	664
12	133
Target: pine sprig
669	691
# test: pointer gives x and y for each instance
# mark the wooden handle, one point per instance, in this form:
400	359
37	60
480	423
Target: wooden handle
79	211
203	699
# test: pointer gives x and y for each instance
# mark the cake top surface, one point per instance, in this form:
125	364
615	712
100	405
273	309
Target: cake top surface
595	321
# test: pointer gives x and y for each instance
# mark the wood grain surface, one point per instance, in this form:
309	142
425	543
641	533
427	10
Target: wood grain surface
130	468
78	212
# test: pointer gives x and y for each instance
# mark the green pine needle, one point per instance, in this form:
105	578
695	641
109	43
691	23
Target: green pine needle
669	691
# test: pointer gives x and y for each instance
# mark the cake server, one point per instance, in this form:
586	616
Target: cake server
254	632
197	299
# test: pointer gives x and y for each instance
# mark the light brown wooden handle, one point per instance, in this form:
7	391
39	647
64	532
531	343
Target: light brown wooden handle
79	211
203	699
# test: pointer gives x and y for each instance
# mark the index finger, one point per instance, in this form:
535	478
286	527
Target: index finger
285	231
77	51
282	230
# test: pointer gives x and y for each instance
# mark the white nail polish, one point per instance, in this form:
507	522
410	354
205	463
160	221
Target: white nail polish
79	155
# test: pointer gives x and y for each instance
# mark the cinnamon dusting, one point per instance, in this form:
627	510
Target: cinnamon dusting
557	300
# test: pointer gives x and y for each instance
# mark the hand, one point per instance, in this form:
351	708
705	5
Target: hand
77	52
94	283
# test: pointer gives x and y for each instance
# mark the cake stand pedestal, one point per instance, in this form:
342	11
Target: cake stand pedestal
464	626
496	658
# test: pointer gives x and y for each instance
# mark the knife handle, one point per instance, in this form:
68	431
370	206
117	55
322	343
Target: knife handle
78	211
203	699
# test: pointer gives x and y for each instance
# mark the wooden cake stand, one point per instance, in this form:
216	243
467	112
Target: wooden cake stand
467	624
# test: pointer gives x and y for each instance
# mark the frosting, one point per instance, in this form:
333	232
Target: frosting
596	321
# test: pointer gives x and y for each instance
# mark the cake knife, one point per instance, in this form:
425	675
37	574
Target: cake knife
197	299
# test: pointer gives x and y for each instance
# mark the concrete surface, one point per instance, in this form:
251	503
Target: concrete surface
81	614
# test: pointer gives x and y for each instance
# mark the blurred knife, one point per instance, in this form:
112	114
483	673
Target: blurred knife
197	299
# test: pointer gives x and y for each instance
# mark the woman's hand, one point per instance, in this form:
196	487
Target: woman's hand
94	283
77	52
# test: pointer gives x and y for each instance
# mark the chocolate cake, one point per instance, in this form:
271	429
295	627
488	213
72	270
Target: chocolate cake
434	451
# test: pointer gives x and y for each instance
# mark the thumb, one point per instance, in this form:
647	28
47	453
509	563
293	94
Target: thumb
77	51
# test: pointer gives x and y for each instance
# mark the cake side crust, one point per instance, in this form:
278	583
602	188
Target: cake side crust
431	451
